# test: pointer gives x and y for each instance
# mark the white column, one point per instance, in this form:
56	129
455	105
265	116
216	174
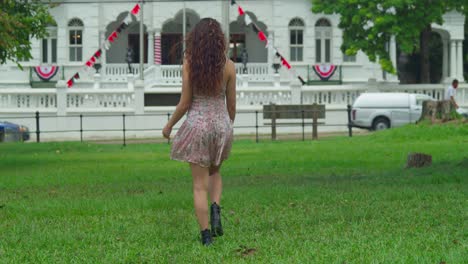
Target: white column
139	91
445	59
296	92
393	53
151	47
460	61
61	97
102	39
453	59
271	52
393	58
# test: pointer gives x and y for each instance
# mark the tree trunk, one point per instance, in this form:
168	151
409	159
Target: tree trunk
437	111
425	40
418	160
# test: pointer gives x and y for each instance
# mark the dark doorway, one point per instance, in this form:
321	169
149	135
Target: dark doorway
171	48
236	45
134	44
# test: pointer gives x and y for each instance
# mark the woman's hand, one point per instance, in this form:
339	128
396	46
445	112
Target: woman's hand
167	131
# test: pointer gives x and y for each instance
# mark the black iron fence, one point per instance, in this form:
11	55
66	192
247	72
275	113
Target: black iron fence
303	123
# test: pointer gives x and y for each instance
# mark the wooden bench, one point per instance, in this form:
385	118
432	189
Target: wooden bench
274	112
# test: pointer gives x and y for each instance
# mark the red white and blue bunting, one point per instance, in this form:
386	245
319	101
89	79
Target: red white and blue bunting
325	71
46	72
107	43
262	37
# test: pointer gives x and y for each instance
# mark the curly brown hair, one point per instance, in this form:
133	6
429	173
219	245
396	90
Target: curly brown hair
205	55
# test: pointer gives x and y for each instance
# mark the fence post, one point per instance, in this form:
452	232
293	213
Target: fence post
256	126
38	129
81	127
350	128
273	122
124	139
314	121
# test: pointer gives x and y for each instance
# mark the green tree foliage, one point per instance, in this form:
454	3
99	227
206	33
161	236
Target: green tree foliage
20	21
369	25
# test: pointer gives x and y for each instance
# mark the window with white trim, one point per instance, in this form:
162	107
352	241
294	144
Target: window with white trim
49	46
323	41
75	30
296	39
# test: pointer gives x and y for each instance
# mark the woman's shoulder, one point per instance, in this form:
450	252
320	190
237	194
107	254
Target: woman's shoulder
230	66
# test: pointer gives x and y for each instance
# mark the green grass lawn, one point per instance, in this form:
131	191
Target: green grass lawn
337	200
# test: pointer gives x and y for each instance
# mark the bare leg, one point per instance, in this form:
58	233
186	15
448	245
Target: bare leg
200	190
215	184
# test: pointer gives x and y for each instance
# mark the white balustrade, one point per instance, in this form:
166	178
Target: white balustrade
331	95
171	74
21	99
115	72
263	96
114	99
437	91
255	71
85	100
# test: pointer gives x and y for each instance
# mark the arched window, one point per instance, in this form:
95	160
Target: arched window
296	39
75	29
323	41
49	45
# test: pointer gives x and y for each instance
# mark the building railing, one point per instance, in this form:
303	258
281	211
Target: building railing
63	100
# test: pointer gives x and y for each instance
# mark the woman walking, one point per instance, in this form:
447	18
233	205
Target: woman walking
204	140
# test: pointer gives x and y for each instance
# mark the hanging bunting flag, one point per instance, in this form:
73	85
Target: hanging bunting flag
128	19
240	10
262	36
70	83
325	71
98	53
233	2
247	19
46	73
112	37
255	28
107	44
285	63
121	27
136	9
302	80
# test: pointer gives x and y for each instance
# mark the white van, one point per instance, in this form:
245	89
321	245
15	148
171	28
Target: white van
377	111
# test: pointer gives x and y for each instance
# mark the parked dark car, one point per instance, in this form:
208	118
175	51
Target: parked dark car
10	132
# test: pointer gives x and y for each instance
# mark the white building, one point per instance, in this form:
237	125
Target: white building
304	38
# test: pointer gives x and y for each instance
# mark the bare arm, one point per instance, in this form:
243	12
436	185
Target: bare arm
183	105
231	90
453	101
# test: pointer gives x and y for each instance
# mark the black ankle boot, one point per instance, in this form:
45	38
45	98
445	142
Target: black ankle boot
206	238
216	226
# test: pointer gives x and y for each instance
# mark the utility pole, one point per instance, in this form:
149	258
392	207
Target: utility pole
142	46
184	29
226	18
